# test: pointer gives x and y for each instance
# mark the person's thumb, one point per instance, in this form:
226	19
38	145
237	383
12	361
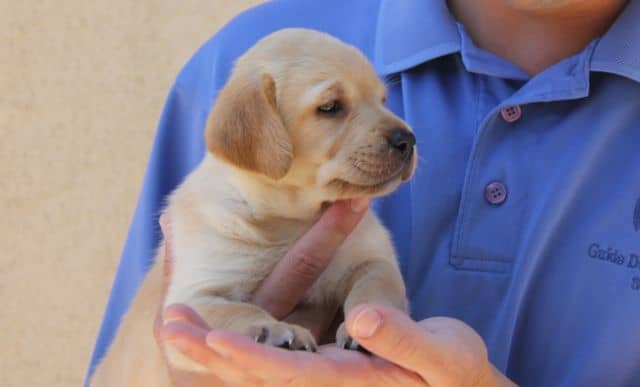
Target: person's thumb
437	349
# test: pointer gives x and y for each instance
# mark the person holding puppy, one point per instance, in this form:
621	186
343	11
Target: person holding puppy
516	236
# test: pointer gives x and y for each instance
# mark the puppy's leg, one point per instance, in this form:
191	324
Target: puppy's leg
371	282
247	319
316	318
256	323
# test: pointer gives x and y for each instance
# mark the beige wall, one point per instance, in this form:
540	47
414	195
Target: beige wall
82	85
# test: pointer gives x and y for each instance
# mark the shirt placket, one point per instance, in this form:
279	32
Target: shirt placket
498	191
487	232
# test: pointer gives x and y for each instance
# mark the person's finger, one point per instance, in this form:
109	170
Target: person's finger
181	312
230	356
439	349
188	339
259	359
329	364
308	257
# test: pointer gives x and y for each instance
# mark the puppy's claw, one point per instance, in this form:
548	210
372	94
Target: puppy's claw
352	345
281	339
345	341
261	336
283	335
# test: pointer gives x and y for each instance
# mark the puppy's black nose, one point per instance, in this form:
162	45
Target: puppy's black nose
402	140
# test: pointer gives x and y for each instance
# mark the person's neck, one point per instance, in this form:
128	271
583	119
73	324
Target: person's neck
535	40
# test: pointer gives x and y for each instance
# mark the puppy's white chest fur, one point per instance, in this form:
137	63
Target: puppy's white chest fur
224	248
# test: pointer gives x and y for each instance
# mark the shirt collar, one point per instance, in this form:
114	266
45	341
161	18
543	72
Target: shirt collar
412	32
618	51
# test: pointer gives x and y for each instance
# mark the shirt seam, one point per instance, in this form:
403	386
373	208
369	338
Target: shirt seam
486	259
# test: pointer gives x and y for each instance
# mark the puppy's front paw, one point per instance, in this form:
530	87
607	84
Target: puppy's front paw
283	335
345	341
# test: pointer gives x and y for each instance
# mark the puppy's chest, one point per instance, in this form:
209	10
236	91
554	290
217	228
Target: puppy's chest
233	269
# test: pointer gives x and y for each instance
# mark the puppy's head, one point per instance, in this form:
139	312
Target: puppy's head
305	110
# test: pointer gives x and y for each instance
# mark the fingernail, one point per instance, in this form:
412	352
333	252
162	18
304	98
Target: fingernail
359	204
216	345
366	323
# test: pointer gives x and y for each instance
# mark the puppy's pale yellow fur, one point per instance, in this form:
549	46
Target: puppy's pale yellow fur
274	159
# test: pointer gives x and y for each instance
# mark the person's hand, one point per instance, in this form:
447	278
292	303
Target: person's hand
434	352
294	273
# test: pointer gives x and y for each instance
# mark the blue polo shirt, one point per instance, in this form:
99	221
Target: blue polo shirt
523	218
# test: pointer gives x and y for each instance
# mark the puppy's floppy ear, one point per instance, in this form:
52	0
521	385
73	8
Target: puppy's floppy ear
245	128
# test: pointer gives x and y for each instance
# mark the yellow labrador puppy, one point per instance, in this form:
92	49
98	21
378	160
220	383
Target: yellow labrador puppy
301	123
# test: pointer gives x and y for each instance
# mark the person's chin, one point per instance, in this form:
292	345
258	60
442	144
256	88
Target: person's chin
538	5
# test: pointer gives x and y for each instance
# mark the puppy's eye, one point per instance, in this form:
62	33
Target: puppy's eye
332	107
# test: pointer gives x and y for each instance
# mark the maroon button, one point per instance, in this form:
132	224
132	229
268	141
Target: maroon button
495	193
511	113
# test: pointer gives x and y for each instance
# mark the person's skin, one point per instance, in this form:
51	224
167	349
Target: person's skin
533	34
433	352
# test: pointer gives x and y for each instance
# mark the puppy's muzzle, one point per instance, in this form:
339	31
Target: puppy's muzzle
402	142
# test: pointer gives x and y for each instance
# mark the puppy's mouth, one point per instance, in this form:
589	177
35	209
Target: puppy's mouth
376	187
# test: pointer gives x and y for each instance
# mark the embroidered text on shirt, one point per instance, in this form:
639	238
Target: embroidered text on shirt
630	261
